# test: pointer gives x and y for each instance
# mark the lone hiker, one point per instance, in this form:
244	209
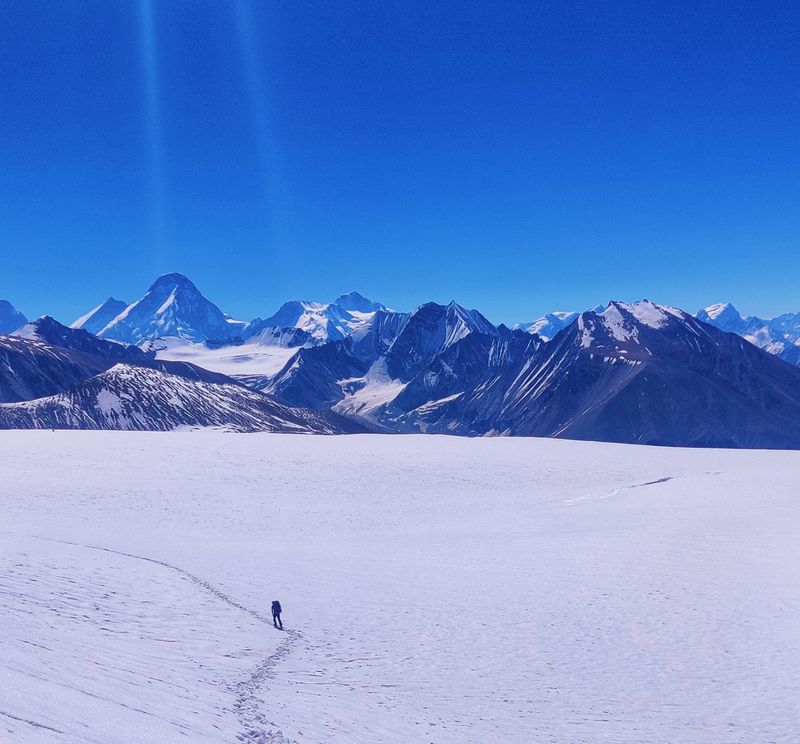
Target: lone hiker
276	614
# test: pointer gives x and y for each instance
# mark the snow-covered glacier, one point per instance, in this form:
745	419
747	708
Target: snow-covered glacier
435	589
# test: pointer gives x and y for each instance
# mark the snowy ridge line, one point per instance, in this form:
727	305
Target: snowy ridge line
246	691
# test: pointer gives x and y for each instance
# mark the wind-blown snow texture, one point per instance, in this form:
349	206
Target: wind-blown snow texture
435	589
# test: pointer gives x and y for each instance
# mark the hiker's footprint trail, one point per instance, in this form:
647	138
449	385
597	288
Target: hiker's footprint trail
257	728
247	700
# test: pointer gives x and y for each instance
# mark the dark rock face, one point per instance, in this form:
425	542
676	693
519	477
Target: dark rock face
313	377
50	331
32	369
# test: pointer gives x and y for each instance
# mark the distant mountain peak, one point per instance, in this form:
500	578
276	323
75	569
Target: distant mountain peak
720	311
173	279
48	330
322	323
459	310
454	313
779	336
356	302
560	314
10	317
721	308
622	324
172	306
549	324
724	316
645	312
429	331
99	317
473	319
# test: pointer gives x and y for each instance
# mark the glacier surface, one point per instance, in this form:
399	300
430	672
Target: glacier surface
435	589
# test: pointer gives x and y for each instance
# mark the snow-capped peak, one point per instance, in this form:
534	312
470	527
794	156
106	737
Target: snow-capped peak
719	309
322	322
431	329
99	317
723	315
461	321
549	324
356	302
173	306
645	312
173	280
624	322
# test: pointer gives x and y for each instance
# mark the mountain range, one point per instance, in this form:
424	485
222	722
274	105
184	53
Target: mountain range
627	372
173	307
779	336
58	377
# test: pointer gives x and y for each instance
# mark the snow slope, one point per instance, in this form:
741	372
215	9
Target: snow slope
322	322
435	589
549	324
255	357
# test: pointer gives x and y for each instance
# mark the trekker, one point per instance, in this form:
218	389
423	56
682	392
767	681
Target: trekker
276	614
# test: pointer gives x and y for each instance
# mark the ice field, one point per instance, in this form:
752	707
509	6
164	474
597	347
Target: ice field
435	589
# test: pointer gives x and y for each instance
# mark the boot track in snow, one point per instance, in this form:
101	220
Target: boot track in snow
257	729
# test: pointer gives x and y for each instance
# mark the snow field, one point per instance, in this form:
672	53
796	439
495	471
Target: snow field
436	589
104	647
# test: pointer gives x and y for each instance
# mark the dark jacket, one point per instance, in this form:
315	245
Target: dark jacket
276	608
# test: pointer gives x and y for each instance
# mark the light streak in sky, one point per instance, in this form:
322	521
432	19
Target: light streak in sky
149	59
257	94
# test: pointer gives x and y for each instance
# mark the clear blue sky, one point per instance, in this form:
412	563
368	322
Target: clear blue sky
519	157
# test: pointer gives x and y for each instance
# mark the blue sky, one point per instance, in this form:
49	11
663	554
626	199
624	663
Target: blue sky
519	157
